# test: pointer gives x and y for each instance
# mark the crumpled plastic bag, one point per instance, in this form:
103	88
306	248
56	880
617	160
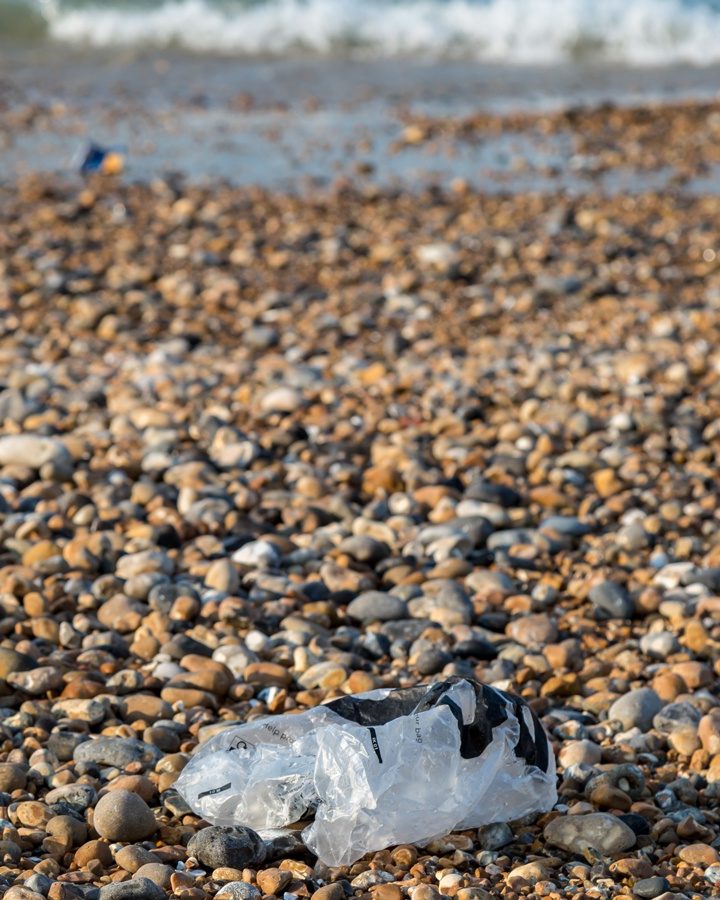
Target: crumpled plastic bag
379	768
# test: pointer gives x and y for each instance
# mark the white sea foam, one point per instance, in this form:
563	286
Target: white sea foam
634	32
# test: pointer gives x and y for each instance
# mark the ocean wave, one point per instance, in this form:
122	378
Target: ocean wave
632	32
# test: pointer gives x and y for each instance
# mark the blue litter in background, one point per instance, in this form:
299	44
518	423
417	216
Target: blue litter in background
105	160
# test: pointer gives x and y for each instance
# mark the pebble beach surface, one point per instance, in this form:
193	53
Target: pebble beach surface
261	450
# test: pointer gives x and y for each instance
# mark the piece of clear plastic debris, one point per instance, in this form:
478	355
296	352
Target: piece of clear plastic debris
380	768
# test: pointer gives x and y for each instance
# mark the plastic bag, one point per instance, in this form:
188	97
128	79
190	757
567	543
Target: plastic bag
380	768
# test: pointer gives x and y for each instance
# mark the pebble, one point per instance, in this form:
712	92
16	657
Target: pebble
134	857
155	872
37	452
577	753
260	554
636	709
611	601
376	605
238	890
235	847
11	661
13	777
533	630
141	888
493	837
600	831
123	816
651	887
118	752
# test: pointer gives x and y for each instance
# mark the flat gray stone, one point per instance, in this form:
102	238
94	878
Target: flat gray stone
135	889
377	605
600	831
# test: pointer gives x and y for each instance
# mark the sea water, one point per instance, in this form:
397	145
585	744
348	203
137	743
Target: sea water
630	32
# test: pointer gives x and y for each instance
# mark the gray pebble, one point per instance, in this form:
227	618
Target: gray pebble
238	890
611	601
135	889
636	709
673	715
377	605
601	831
365	549
119	752
78	796
39	883
234	847
123	816
495	836
651	887
659	644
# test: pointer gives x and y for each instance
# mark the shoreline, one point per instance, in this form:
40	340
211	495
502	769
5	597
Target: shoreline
382	144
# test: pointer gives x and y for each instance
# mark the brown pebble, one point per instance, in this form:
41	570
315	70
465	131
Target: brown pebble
332	891
273	881
98	850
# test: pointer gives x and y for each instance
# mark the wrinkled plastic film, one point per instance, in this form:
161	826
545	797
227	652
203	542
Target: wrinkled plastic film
379	768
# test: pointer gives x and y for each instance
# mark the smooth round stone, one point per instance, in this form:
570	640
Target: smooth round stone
651	887
534	630
12	661
167	670
158	873
217	847
124	816
611	601
709	731
486	582
476	528
432	661
365	549
495	836
659	644
581	752
567	525
332	891
636	709
599	831
13	777
673	715
36	452
134	857
222	576
238	890
489	492
531	872
257	554
135	889
377	606
69	830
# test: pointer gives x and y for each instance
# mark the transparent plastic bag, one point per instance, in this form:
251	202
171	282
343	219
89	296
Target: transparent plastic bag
380	768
